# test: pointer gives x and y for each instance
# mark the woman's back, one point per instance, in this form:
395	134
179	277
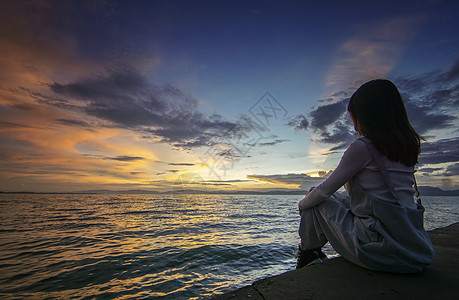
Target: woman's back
370	180
389	224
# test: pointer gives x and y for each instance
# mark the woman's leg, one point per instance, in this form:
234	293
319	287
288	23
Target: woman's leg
330	221
310	231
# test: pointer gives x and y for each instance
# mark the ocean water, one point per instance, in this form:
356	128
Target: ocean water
152	246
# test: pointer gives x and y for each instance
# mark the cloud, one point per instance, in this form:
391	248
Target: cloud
12	125
229	154
428	170
229	181
329	121
327	114
26	27
453	72
44	39
452	170
431	100
201	181
301	180
136	173
299	123
181	164
332	124
72	122
442	151
440	159
126	158
427	117
126	99
272	143
373	53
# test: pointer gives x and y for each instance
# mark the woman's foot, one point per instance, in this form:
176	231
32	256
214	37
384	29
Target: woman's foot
309	257
322	255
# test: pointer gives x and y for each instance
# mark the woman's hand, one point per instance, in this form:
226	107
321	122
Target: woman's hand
311	199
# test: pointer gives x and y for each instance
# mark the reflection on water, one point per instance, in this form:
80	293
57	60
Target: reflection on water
145	246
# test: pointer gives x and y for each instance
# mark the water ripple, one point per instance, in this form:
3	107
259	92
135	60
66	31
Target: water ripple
143	246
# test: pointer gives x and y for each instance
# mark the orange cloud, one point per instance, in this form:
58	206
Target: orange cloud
45	146
372	54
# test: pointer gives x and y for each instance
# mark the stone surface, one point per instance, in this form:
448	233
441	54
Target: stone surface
339	279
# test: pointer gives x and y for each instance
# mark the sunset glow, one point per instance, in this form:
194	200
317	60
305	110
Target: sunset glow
213	95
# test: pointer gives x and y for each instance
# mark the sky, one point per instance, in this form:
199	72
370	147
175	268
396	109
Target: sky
214	95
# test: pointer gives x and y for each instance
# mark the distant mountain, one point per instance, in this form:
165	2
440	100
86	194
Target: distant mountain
275	192
192	191
434	191
424	190
116	192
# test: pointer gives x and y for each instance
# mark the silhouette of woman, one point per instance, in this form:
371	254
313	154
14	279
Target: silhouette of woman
377	223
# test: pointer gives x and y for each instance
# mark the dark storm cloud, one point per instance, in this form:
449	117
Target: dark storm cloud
127	100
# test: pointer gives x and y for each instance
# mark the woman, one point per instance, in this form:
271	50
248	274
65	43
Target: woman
377	224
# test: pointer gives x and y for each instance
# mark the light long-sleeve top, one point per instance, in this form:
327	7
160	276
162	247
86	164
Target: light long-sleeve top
357	161
378	224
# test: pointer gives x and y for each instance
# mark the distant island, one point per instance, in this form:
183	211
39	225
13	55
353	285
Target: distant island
424	190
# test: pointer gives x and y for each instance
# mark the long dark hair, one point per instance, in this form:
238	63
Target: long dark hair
379	114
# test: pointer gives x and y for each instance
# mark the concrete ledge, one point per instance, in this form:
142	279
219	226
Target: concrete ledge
339	279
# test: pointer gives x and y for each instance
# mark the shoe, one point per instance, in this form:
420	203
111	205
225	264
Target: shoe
309	257
321	255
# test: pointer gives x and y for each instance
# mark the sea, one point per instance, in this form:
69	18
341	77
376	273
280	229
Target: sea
174	246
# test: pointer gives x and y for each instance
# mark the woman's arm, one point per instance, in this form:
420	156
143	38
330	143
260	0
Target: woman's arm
354	159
